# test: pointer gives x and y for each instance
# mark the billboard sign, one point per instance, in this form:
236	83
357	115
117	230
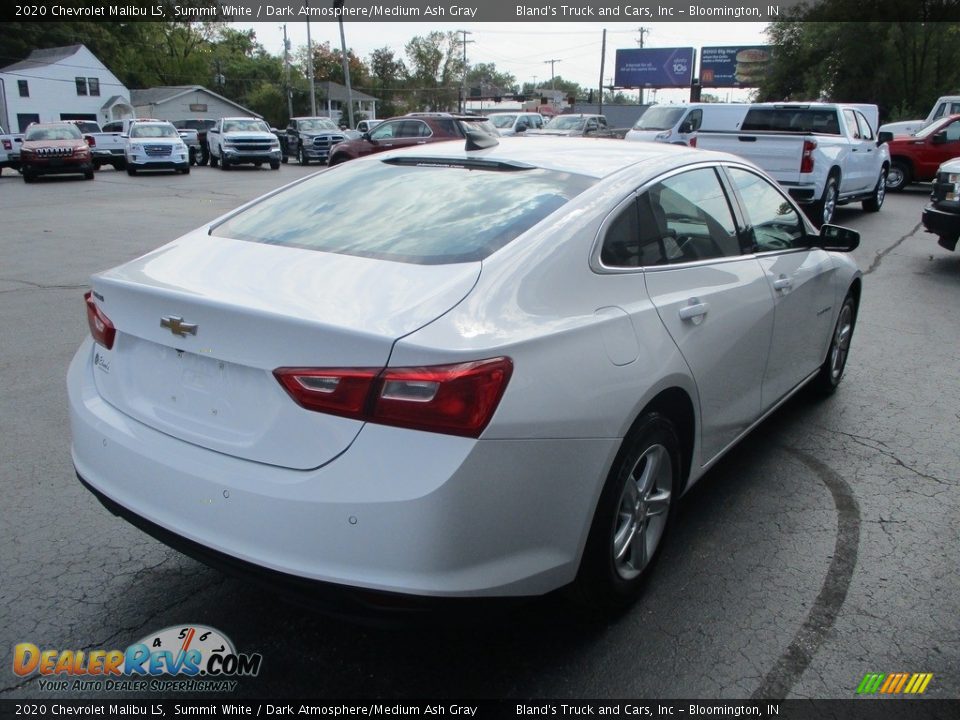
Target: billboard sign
740	66
654	67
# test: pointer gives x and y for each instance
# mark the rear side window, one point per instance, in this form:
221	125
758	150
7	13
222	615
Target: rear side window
684	218
424	214
787	119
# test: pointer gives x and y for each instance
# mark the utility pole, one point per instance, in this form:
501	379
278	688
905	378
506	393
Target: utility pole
338	4
463	80
313	90
551	63
286	64
603	57
643	31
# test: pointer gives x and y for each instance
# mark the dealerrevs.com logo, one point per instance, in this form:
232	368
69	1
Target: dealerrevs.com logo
188	658
894	683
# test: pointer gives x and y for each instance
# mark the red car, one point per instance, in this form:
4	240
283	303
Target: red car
407	131
54	149
915	158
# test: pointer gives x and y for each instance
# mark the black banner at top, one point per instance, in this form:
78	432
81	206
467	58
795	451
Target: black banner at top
479	10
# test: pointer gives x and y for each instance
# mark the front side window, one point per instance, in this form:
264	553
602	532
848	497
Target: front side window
81	85
852	126
865	130
775	224
385	131
953	131
24	88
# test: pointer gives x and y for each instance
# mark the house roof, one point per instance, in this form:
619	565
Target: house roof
166	93
114	99
40	58
335	91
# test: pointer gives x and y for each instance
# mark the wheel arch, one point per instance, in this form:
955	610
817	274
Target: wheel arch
676	405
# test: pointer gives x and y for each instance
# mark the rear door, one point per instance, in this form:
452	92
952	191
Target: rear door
800	282
712	298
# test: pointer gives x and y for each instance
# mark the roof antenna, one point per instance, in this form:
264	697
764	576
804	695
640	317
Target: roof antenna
477	139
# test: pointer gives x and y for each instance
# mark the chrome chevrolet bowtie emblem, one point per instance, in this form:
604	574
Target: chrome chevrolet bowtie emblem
177	326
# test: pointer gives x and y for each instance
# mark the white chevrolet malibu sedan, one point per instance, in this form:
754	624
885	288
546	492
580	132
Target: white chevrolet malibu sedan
494	374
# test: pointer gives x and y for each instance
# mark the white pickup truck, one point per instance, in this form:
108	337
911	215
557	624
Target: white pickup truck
944	107
243	140
10	150
823	154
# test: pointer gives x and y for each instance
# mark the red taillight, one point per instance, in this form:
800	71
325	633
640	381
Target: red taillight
337	391
454	399
693	141
806	160
101	328
91	141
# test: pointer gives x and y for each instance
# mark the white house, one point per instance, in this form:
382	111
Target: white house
179	102
64	83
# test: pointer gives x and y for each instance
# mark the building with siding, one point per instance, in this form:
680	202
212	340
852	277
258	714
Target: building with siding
62	83
180	102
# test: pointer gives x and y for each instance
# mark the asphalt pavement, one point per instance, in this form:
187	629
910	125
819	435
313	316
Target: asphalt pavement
822	548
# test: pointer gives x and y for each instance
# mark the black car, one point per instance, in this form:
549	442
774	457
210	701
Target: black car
942	215
201	125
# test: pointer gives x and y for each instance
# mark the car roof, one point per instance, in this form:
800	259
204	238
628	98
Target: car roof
593	157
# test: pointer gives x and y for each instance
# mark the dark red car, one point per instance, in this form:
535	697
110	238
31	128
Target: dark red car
409	131
915	158
54	149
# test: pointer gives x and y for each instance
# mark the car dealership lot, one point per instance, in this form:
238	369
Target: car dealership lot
824	547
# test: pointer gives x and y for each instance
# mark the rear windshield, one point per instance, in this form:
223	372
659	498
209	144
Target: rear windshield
427	215
804	120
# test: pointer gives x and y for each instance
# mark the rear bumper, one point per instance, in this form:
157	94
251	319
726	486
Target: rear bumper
944	224
400	511
803	194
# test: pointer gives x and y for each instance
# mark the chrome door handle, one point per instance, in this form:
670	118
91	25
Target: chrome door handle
694	310
782	283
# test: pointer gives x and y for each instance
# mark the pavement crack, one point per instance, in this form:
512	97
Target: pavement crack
881	254
887	452
40	286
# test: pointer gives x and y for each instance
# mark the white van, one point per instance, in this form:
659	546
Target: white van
677	124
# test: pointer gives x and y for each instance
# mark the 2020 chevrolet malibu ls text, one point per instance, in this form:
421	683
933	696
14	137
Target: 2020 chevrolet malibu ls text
495	376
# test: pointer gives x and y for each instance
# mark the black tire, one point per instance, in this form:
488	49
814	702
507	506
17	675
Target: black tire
336	160
275	165
822	211
875	202
831	372
213	161
88	175
29	177
899	177
224	164
606	581
184	171
204	158
131	171
257	164
193	156
302	158
285	159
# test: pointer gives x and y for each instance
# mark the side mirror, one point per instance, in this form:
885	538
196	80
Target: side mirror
685	128
522	127
884	137
940	138
838	238
366	136
125	136
214	130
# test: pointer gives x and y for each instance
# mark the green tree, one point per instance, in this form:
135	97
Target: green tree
436	69
388	76
900	65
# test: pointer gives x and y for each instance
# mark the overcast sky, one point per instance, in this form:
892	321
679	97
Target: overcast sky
522	48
